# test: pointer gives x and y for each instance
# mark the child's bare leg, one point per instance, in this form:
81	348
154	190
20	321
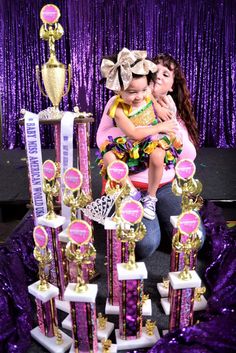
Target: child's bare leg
156	165
110	157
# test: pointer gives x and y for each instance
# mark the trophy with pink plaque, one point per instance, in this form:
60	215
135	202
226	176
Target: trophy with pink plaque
53	223
130	229
47	333
82	296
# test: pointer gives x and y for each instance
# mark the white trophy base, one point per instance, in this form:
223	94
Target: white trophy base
63	305
67	324
63	237
164	332
197	306
113	349
50	342
53	223
88	296
109	224
114	309
163	291
142	342
44	296
140	272
178	283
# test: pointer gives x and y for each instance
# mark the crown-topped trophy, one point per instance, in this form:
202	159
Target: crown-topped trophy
53	71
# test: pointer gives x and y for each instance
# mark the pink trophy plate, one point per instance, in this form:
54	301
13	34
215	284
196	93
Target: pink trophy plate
49	170
131	211
185	169
73	179
40	237
50	14
117	171
188	222
79	232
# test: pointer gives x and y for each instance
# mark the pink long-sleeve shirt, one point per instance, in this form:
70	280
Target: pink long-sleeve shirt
107	128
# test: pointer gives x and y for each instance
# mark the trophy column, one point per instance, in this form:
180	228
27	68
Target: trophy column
47	333
131	334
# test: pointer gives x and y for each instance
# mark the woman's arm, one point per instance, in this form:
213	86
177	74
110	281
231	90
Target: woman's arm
141	132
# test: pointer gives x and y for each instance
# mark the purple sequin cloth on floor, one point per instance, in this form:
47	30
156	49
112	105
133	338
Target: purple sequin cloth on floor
18	269
217	330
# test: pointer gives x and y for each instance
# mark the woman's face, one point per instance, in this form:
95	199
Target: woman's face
135	94
164	81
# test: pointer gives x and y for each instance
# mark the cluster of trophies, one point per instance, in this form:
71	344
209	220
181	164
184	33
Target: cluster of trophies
64	245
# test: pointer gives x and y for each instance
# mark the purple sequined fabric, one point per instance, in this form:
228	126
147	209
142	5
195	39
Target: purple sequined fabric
199	34
18	269
218	325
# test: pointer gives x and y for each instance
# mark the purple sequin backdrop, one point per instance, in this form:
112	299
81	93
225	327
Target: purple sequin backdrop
200	34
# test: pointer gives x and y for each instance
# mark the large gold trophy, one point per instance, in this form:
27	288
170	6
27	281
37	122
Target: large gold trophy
53	71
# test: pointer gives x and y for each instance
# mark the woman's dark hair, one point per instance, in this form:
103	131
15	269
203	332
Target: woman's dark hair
113	58
180	94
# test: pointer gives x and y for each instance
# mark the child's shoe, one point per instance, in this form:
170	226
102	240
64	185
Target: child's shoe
135	195
149	207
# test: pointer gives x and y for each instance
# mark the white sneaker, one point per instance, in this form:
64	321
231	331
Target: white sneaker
149	207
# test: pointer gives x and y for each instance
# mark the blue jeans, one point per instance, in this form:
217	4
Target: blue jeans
168	205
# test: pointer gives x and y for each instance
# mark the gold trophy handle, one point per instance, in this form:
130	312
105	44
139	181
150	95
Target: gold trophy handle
39	82
69	80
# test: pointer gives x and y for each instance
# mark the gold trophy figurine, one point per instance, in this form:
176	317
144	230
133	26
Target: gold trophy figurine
51	185
53	71
106	345
102	321
150	327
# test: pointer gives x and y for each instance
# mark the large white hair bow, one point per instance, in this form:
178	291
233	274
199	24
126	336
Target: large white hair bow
129	62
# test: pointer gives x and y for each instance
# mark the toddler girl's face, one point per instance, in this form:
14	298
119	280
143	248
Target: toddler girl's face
164	81
135	94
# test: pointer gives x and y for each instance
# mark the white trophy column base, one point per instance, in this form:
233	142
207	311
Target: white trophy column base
50	342
114	309
63	305
140	272
164	332
67	324
113	349
197	306
63	237
53	223
88	296
163	291
46	295
142	342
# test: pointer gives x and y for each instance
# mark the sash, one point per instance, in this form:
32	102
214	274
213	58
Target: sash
67	128
34	156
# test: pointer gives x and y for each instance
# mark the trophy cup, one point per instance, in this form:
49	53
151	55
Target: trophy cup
47	333
53	72
130	229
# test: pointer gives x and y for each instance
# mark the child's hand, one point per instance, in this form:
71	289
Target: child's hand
167	127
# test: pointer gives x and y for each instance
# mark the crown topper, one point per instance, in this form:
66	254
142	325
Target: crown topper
117	171
131	211
49	170
185	169
73	179
40	237
79	232
188	222
50	14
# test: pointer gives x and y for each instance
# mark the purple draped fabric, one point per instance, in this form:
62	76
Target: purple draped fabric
217	330
199	33
18	269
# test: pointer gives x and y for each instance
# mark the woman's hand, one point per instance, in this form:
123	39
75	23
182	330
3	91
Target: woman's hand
167	127
164	113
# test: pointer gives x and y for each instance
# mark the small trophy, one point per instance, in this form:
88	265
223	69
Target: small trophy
47	332
51	186
53	72
186	240
42	255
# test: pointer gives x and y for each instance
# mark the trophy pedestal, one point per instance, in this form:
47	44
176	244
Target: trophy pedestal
181	299
197	305
63	237
83	316
114	309
105	333
53	228
63	305
46	332
50	343
163	291
141	342
130	334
